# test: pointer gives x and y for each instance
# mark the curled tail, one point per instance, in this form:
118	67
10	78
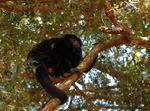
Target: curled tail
43	78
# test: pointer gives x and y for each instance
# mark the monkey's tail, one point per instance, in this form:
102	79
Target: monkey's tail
43	78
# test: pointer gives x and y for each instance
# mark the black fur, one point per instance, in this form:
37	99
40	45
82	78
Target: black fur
63	55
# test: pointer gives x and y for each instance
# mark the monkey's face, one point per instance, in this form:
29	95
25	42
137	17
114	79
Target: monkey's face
75	43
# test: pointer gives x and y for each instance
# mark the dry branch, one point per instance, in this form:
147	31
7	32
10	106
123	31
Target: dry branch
86	98
3	94
121	29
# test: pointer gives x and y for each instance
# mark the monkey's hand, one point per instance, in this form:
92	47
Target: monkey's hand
75	70
71	71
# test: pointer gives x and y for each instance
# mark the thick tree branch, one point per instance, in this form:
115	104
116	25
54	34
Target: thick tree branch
124	39
66	84
42	6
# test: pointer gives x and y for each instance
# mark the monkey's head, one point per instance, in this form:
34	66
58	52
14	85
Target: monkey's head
76	42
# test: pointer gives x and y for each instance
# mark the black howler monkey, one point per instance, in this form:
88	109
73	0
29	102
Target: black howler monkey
63	55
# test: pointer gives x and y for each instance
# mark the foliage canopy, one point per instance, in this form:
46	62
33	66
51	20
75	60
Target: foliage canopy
119	80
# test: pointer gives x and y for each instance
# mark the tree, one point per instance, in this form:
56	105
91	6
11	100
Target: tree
120	78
